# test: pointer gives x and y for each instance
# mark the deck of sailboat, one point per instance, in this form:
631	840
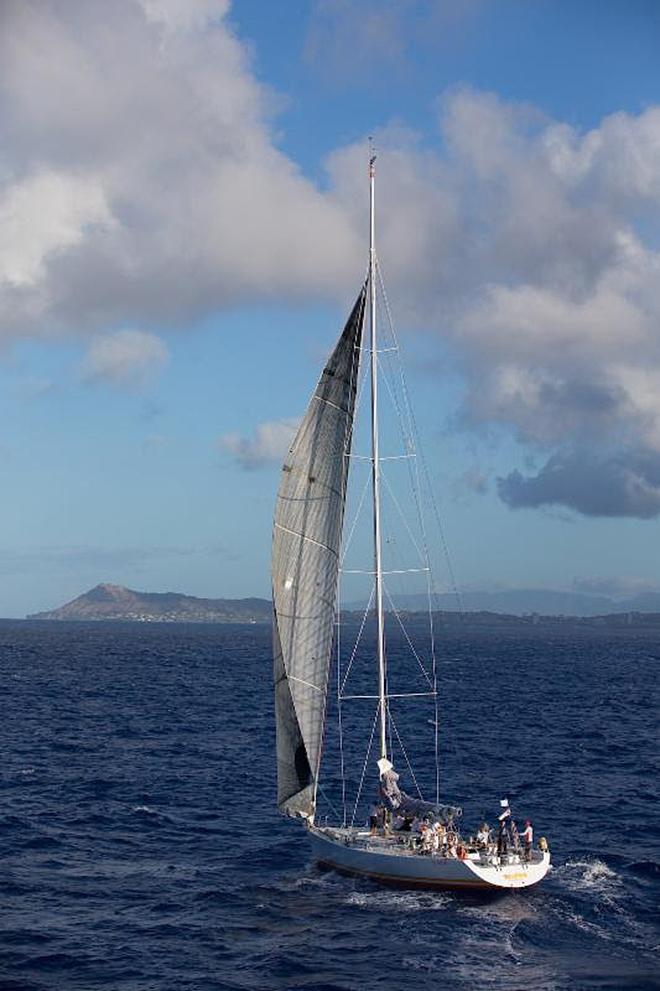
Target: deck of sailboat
398	844
390	858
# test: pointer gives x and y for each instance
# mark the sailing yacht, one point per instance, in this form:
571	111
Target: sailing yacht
427	849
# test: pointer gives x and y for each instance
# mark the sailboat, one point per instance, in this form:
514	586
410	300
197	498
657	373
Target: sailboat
409	840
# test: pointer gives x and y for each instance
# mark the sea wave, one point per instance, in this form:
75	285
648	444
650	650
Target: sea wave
141	847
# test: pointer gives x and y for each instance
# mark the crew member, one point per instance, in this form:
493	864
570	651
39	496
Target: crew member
483	836
376	818
501	841
527	836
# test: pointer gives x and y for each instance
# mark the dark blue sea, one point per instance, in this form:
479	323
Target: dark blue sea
140	848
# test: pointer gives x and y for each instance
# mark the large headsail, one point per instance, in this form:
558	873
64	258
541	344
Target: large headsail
305	565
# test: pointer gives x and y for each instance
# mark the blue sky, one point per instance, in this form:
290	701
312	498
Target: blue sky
183	207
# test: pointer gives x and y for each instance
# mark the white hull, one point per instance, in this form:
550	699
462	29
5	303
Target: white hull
389	860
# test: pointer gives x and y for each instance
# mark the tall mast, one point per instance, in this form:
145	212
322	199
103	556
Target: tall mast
376	463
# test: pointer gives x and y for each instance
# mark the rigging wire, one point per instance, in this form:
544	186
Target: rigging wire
405	757
340	724
407	437
417	470
346	545
434	675
431	627
389	724
432	592
364	766
328	800
415	432
403	518
405	633
416	487
359	637
356	517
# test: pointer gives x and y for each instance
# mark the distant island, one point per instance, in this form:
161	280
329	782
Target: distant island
529	601
114	603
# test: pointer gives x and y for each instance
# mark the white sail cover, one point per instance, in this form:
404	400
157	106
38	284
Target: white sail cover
305	565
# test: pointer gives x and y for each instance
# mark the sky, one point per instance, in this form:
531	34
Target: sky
183	229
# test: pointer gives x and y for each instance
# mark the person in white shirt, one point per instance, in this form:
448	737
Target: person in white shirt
483	836
527	836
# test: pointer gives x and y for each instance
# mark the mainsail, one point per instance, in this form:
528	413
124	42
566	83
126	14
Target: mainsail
305	566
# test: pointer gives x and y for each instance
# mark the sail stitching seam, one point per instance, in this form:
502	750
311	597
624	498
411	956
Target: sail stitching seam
303	536
329	402
316	688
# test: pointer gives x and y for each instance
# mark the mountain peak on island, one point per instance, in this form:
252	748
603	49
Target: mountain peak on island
105	591
116	602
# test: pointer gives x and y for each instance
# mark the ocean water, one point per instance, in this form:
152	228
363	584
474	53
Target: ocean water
140	849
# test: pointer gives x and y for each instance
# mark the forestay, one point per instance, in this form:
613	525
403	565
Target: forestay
305	565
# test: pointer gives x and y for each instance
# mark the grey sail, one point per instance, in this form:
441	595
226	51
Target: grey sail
305	566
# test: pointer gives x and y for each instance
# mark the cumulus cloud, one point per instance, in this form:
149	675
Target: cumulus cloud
626	483
127	357
552	300
41	214
176	15
268	445
521	245
139	179
562	342
140	184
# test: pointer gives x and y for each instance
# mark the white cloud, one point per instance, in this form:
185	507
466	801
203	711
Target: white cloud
127	357
522	247
560	339
176	15
42	214
268	445
139	179
140	184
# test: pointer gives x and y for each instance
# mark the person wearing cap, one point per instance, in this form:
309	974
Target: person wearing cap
527	836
